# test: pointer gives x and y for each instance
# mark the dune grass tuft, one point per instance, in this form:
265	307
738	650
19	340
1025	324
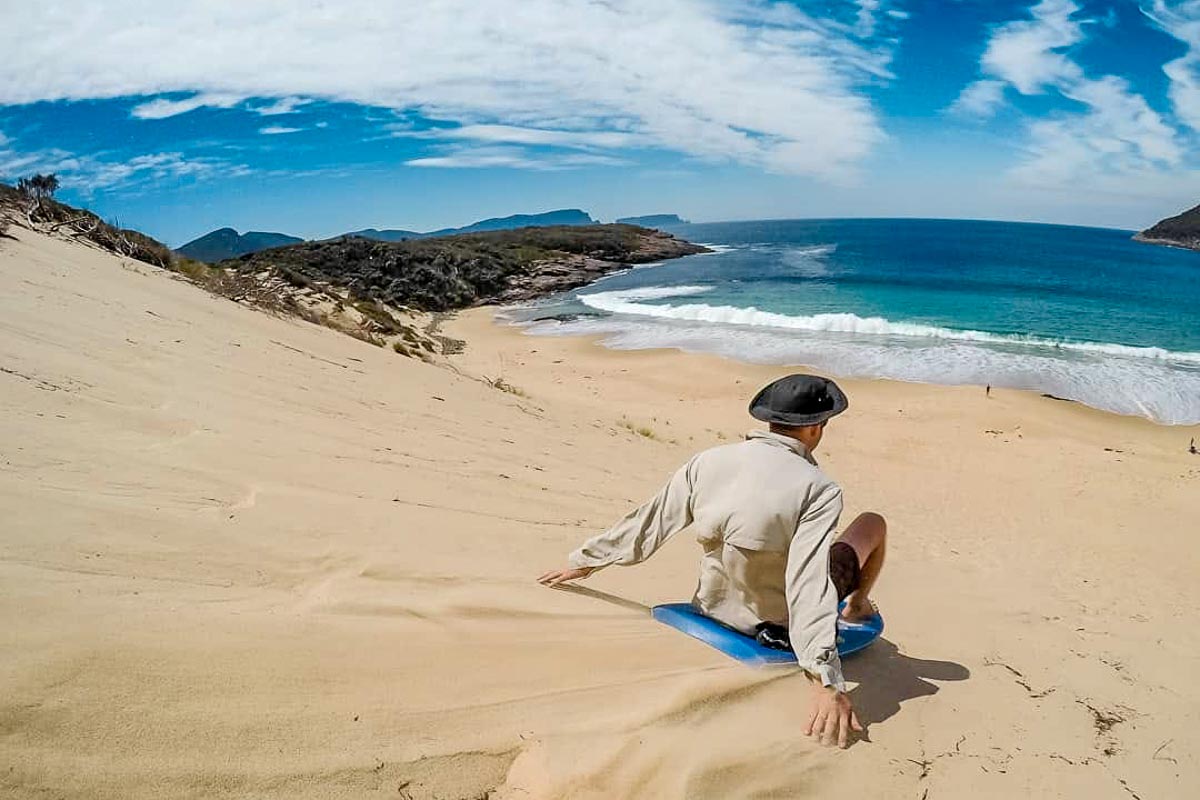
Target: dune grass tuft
505	386
644	431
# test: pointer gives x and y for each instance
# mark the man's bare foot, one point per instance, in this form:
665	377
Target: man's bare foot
857	609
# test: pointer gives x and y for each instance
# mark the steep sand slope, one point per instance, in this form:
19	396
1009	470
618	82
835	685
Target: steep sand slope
243	556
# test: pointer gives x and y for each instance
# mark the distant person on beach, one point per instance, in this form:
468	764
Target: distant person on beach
987	392
765	515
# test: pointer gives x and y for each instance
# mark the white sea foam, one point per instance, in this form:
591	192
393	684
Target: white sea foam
809	262
812	250
715	248
1142	381
627	302
648	293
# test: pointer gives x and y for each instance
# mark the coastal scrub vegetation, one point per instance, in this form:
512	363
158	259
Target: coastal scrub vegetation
32	200
366	288
282	292
450	272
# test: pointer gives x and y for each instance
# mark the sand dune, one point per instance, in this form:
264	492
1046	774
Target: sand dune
243	556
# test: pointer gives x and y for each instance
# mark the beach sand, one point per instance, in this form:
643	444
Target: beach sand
243	556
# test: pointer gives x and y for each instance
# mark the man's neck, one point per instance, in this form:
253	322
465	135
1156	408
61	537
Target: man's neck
792	433
783	440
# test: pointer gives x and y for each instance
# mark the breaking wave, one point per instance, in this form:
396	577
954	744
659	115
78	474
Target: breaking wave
1150	382
628	302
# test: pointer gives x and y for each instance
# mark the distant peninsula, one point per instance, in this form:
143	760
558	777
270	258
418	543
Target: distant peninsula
226	243
564	216
1182	230
450	272
654	220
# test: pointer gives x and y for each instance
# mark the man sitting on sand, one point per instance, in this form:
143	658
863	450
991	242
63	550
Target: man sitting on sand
764	514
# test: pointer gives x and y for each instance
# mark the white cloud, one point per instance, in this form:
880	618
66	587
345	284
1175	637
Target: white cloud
88	173
868	16
865	24
1118	140
756	81
1025	53
528	136
1118	137
275	130
1121	115
979	99
284	105
459	157
91	174
163	108
1182	20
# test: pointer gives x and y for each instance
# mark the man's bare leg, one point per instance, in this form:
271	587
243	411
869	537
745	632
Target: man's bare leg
867	534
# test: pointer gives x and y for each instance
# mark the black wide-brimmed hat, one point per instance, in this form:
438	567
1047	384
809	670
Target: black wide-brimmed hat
799	400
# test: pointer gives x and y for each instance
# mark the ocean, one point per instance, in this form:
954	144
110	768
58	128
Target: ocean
1083	314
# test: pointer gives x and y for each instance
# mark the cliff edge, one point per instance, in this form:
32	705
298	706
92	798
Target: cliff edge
1182	230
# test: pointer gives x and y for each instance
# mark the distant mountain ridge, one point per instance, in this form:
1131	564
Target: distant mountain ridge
654	220
1181	230
226	243
563	216
388	235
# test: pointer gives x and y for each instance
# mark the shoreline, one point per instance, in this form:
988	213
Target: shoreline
1193	246
495	312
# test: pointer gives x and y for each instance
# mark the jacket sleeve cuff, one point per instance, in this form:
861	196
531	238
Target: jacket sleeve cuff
828	674
578	559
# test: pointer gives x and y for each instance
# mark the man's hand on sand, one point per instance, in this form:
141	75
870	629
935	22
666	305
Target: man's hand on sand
831	717
556	576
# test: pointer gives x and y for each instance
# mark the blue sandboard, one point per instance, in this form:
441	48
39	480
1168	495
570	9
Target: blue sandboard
851	636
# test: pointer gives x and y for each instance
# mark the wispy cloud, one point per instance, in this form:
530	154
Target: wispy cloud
979	99
753	81
460	157
90	173
1118	135
162	108
1028	53
284	105
1182	20
527	136
1117	140
872	12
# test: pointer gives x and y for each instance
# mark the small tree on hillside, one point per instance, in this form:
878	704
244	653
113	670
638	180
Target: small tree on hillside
37	189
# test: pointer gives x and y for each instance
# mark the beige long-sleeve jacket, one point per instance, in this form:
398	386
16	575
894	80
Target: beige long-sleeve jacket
764	515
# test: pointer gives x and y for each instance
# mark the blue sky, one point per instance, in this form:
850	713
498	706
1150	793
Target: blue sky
313	119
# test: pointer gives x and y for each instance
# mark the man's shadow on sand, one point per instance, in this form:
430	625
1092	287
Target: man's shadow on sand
886	678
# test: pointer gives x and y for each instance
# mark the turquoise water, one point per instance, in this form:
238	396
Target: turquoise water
1081	313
